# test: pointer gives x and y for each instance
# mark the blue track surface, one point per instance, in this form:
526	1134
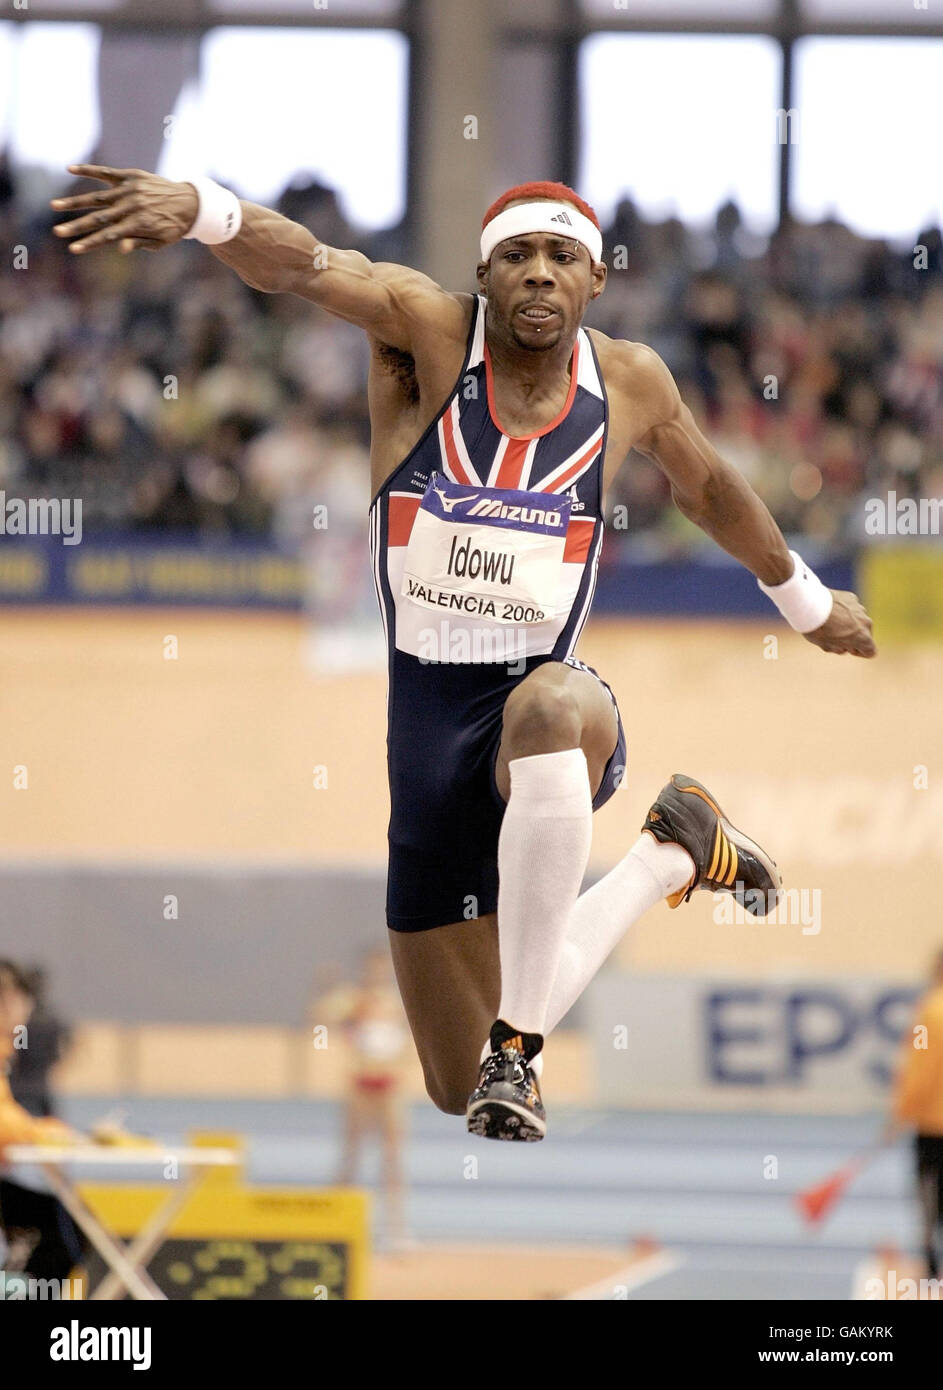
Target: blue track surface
694	1183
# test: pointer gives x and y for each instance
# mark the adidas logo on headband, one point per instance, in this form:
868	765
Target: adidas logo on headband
562	217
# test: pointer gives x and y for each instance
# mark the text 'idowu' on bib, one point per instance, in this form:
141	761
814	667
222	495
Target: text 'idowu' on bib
486	552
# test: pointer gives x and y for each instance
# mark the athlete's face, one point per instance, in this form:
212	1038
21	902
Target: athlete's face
538	287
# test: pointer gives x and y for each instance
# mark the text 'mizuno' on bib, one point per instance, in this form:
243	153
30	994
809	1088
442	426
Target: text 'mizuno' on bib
487	551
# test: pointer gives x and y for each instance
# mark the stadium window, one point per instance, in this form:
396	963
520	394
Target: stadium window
7	78
46	69
670	10
681	124
869	113
105	6
327	103
336	9
867	11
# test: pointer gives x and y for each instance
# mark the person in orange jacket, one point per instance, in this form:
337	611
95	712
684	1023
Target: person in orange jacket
918	1104
54	1242
17	1125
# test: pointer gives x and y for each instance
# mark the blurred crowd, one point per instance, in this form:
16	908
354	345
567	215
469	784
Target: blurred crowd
813	362
169	395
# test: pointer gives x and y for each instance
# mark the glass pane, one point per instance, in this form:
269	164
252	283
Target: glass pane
102	5
867	11
320	9
524	75
8	40
328	104
869	161
668	10
680	124
45	70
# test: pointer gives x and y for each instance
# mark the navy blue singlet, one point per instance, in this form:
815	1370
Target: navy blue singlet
485	548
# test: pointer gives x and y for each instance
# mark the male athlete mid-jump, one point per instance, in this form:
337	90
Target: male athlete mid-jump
498	423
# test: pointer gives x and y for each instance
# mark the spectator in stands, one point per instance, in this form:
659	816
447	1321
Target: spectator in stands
816	358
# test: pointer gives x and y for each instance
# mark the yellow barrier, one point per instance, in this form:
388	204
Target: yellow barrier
902	588
231	1241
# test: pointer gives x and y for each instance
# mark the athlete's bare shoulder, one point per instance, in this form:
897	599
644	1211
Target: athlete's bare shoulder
394	303
642	392
635	372
432	361
427	314
412	377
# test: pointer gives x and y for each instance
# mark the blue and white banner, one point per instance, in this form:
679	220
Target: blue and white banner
128	569
687	1041
124	568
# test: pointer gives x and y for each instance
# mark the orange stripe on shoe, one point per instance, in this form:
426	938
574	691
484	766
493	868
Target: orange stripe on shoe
714	861
675	899
704	797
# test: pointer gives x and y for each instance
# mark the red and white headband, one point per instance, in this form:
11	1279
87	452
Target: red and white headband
560	218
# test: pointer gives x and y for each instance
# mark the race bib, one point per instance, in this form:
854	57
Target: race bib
486	552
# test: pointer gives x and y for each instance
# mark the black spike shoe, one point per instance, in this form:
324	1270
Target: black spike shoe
506	1102
726	860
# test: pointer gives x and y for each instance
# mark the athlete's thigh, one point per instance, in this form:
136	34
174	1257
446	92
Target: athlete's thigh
588	714
450	982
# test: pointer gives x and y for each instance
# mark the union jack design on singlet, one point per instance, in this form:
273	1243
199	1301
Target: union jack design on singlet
458	470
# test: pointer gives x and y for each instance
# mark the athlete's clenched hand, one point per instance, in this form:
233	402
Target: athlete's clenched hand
137	209
847	629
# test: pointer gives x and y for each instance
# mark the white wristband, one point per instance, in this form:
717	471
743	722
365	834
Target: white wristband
220	214
803	599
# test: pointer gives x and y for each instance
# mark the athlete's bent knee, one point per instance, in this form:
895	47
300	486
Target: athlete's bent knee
544	719
446	1098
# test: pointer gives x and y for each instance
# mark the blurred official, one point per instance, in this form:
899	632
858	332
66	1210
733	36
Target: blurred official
32	1221
918	1103
374	1026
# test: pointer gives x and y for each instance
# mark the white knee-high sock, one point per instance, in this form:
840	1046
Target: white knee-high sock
542	853
602	915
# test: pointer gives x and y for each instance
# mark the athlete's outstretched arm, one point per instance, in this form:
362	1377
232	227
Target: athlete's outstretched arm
270	252
717	498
